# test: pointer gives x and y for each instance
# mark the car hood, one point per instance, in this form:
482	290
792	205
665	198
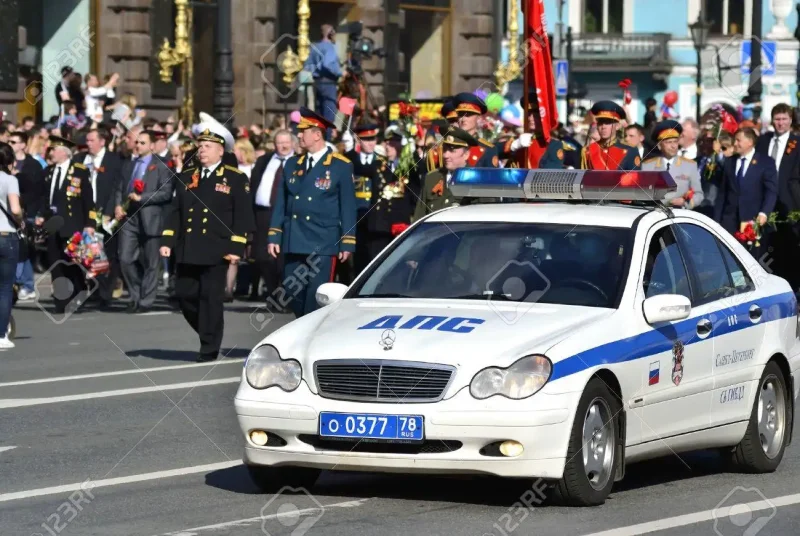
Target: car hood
467	335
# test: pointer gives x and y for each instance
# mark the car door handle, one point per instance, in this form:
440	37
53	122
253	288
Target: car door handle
704	327
755	313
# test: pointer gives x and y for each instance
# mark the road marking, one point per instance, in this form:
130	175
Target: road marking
22	402
155	313
106	482
121	372
3	449
699	517
250	520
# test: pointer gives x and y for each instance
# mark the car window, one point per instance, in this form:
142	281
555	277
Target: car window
665	272
713	279
542	262
739	277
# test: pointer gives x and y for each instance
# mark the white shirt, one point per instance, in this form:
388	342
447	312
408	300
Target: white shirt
669	163
316	156
781	141
690	153
64	168
265	186
211	169
366	158
93	162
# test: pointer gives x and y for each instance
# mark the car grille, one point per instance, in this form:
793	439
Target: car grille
434	446
382	381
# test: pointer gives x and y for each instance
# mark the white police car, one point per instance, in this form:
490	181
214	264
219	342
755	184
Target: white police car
558	340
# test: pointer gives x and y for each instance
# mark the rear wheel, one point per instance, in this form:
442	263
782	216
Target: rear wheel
761	449
592	452
273	479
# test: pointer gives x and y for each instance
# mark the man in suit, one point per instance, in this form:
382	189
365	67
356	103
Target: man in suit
140	234
105	169
314	219
749	185
264	182
782	146
365	172
690	191
68	194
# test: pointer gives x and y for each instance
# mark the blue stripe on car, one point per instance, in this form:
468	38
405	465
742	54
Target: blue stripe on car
662	339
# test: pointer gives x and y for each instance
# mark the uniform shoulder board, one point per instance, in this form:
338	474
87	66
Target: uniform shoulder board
568	146
79	165
237	170
486	143
341	157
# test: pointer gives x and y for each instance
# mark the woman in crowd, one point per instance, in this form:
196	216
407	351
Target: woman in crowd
10	220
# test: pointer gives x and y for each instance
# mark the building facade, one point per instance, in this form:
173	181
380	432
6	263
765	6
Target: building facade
649	42
432	48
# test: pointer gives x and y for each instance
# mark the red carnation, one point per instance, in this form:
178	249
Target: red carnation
398	228
138	186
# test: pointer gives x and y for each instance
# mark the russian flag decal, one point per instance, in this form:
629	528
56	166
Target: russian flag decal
655	367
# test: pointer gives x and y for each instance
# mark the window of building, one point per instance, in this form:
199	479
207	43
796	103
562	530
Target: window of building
727	16
602	16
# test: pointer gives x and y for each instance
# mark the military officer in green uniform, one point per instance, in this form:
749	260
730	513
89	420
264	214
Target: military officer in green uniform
684	171
314	218
435	193
210	217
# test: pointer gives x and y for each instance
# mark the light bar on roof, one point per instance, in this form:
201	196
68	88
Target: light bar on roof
566	184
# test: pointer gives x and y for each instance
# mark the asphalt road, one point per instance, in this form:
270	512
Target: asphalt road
108	427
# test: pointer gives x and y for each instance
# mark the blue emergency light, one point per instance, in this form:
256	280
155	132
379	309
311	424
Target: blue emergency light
566	184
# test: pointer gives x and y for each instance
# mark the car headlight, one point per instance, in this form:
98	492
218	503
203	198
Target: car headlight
522	379
265	368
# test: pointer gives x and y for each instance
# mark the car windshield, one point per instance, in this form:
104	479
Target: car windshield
532	262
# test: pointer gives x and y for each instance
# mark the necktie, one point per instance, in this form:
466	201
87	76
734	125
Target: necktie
310	164
275	181
56	183
668	165
775	144
740	173
206	171
136	174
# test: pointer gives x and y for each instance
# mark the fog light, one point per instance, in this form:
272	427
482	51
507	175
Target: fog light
259	437
511	448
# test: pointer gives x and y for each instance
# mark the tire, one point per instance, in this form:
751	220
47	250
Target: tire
759	451
579	487
272	479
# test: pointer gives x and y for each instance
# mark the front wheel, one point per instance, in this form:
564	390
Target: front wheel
285	479
592	452
761	449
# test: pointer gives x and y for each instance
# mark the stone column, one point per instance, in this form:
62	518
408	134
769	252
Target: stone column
471	57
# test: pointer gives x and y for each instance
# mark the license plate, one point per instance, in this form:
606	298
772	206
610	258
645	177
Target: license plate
371	426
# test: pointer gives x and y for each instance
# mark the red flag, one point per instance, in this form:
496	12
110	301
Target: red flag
540	66
347	105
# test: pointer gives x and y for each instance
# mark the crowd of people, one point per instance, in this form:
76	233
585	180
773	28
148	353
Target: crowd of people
318	189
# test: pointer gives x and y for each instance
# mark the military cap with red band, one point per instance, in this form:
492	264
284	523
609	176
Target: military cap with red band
310	119
608	110
469	103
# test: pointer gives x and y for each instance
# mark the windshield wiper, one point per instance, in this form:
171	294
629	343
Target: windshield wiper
385	295
485	296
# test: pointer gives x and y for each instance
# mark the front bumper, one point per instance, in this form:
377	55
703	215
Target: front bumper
457	433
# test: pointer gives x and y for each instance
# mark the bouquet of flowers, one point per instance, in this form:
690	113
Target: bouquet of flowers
87	250
410	129
138	188
749	234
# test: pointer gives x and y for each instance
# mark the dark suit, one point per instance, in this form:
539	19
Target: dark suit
268	266
140	234
786	239
106	182
757	193
364	178
73	202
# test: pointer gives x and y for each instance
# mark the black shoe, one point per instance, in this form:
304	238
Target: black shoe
105	306
205	358
133	307
143	309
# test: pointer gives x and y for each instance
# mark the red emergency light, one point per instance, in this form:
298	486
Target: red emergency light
567	184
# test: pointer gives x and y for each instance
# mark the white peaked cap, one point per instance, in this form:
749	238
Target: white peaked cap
208	122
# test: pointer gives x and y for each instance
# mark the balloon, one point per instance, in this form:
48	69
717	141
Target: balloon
512	114
670	98
494	102
295	116
480	93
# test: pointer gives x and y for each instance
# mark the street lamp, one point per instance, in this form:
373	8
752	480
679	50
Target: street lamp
699	30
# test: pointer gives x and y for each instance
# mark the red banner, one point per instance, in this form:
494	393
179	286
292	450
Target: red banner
540	66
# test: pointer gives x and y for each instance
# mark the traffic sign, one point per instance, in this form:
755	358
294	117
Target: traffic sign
768	52
562	77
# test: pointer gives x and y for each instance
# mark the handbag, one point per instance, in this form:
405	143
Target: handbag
23	240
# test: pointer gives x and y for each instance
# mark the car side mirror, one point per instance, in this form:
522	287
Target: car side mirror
666	308
327	293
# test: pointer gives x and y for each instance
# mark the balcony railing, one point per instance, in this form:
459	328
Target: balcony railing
636	51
